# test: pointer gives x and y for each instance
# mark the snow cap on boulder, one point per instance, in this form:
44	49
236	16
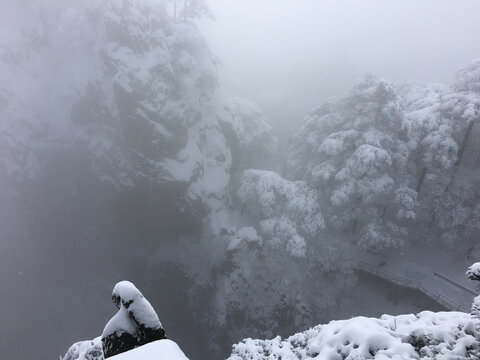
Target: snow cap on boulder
135	324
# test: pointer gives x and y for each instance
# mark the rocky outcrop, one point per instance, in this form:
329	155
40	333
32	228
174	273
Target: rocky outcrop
135	324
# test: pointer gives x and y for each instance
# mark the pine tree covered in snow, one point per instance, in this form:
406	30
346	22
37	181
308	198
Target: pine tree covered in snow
279	271
391	165
352	151
134	98
440	123
250	136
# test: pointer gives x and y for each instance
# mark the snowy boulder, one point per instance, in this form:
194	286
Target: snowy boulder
473	272
135	324
157	350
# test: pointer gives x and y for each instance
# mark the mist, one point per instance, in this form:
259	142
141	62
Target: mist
271	51
283	165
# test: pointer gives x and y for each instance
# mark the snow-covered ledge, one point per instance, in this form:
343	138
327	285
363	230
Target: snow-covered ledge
157	350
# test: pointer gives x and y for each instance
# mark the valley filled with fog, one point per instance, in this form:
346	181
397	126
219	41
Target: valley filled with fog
255	167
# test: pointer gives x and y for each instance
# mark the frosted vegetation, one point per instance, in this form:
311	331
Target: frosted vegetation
120	155
427	335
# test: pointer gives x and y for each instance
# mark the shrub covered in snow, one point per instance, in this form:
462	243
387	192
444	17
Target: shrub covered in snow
351	150
85	350
288	212
473	272
427	335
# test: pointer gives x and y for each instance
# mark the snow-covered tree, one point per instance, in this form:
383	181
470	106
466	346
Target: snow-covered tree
85	350
250	136
288	212
109	135
473	273
193	9
352	150
424	336
284	231
440	121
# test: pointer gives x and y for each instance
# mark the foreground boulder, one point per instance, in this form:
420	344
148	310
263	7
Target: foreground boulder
135	324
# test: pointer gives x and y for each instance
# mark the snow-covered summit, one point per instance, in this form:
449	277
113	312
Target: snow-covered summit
427	335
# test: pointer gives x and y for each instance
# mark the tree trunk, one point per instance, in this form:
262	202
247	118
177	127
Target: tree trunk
460	154
421	179
464	142
175	10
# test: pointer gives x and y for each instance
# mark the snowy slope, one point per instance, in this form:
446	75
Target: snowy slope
157	350
427	335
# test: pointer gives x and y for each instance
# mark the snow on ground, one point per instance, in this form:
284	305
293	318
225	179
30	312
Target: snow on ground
427	335
157	350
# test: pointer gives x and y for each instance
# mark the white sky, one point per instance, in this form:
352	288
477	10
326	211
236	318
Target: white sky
311	49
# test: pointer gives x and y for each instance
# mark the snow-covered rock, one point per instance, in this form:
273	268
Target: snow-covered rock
427	335
135	324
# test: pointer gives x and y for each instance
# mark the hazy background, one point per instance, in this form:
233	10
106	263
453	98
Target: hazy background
60	255
303	51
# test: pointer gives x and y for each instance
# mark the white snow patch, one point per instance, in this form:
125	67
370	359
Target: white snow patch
427	335
157	350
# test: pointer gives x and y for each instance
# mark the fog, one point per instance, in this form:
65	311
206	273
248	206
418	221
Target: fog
185	155
272	50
